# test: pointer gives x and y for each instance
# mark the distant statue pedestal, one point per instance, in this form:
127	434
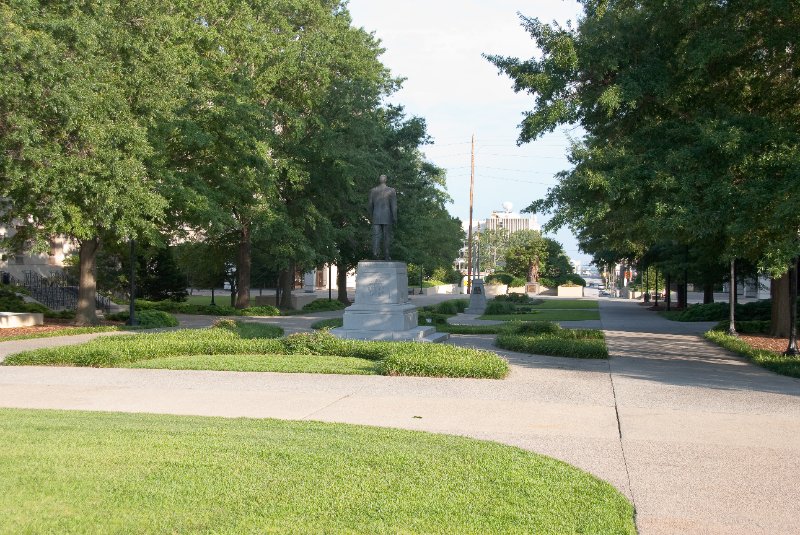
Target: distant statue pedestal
477	298
382	310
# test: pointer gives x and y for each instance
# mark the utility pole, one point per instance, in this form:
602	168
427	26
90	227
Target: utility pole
469	235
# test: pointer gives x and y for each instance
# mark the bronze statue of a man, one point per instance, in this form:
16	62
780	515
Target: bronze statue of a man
383	215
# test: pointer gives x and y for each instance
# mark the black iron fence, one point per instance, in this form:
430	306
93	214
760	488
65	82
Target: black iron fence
56	291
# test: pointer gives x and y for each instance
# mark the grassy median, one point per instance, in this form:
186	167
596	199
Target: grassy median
242	346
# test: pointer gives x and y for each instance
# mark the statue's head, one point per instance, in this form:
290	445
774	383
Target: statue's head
382	179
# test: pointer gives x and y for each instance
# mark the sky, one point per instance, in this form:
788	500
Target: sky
436	45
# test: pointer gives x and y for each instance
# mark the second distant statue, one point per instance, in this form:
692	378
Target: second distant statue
383	216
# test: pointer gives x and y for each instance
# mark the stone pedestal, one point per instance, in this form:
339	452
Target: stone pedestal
477	298
382	310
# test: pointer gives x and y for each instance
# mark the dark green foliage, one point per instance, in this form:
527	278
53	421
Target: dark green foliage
534	327
777	362
451	307
209	310
147	319
470	329
518	298
745	327
264	310
322	305
754	311
160	277
11	302
331	323
425	317
448	275
505	278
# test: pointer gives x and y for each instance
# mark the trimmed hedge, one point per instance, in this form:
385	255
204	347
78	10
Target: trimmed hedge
147	319
175	307
441	360
330	323
547	338
754	311
323	305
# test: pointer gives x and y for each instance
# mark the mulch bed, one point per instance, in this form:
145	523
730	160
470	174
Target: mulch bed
49	325
762	341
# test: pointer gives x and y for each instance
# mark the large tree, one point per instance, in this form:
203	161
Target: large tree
690	111
81	84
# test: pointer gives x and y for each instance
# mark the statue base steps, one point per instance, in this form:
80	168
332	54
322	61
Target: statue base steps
382	310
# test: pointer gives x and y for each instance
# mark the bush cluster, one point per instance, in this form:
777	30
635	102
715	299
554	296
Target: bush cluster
506	278
548	338
147	319
753	311
323	305
176	307
330	323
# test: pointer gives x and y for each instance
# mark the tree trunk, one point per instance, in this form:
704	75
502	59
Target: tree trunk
779	292
681	296
287	283
86	313
708	293
243	268
341	284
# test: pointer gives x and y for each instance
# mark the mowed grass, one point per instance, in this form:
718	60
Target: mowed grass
563	304
264	363
76	472
547	315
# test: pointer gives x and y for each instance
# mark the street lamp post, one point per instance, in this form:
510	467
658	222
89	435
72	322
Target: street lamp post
792	349
132	321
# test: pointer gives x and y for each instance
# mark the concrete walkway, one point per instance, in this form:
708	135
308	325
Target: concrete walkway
701	441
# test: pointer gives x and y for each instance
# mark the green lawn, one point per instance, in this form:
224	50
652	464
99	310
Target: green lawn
562	304
547	315
220	298
264	363
76	472
237	346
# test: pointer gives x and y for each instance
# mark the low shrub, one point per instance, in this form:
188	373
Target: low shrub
519	299
147	319
330	323
175	307
558	344
11	302
60	314
534	327
323	305
754	311
425	317
745	327
470	329
451	307
776	362
506	278
441	360
264	310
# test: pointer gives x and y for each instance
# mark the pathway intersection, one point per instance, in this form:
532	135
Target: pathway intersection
700	440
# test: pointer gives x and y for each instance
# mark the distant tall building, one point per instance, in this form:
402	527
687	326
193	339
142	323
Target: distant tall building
499	220
510	221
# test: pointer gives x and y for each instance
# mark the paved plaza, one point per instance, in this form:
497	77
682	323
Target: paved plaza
700	440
